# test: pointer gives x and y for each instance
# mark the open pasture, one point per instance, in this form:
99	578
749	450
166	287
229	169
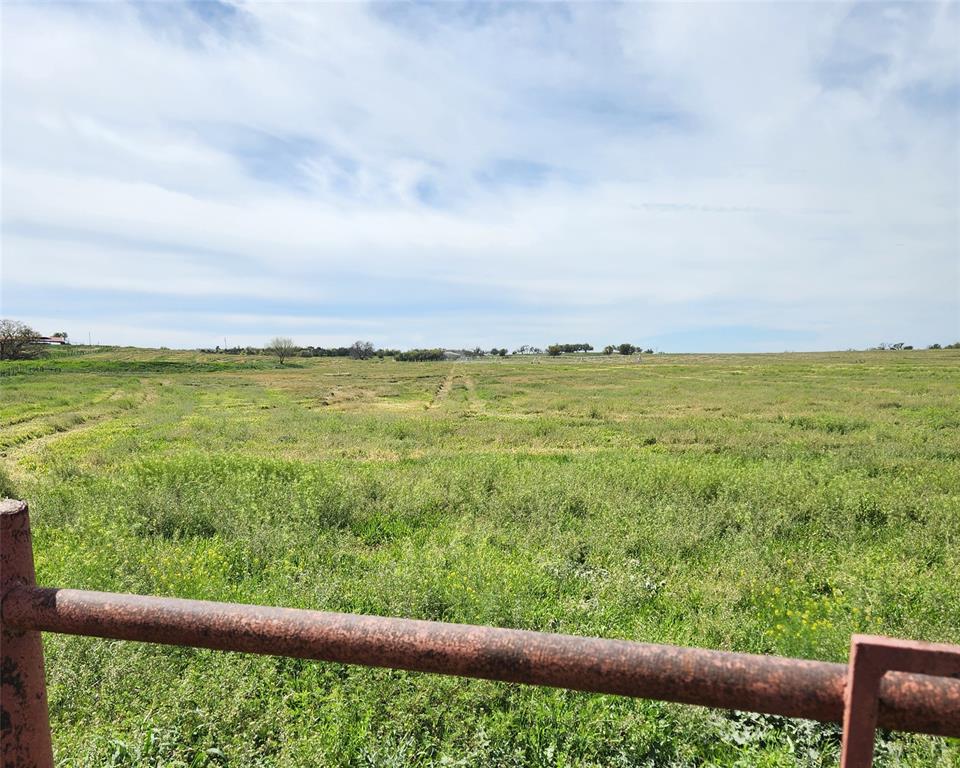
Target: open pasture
759	503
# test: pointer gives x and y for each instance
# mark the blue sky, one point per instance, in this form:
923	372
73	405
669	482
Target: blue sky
691	177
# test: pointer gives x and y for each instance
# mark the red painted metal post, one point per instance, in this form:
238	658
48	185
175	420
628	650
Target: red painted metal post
871	657
25	722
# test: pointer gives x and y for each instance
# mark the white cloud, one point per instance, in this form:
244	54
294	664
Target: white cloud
681	158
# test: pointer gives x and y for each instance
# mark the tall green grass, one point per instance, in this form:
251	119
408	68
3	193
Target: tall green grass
770	504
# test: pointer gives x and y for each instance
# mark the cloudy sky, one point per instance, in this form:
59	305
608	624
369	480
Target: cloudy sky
757	176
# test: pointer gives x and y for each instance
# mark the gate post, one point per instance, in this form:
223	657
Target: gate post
24	720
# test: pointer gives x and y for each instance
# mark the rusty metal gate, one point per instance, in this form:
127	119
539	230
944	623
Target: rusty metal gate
896	684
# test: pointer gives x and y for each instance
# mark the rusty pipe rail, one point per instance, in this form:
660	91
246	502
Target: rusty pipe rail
770	684
866	693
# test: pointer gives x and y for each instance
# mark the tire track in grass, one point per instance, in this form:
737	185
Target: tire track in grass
443	390
475	406
14	448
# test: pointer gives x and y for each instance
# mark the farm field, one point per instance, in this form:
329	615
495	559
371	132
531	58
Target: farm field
758	503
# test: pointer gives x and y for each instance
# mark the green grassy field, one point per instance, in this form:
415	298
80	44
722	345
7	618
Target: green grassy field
768	503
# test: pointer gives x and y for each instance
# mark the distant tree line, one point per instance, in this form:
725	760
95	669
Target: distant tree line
625	349
301	351
555	350
282	346
18	339
901	346
421	355
359	350
477	352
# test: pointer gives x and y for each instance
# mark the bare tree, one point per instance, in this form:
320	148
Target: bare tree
361	350
282	347
18	341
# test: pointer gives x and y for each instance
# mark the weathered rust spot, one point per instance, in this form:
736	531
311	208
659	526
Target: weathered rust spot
871	658
771	684
25	731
